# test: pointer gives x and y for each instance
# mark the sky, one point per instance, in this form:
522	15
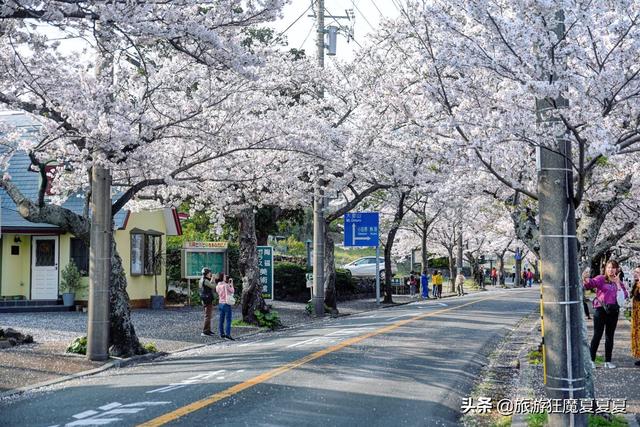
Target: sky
302	33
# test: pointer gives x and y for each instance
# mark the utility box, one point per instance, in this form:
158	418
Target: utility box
331	40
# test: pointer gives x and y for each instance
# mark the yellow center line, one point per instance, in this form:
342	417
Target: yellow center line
207	401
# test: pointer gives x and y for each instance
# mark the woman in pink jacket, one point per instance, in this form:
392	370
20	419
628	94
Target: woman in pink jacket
605	318
224	289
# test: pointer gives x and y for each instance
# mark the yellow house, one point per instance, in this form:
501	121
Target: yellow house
32	255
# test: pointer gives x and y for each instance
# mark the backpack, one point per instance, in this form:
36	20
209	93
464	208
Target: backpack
206	293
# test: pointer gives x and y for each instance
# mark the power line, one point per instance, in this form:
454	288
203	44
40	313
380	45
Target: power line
377	8
307	37
291	25
362	14
342	27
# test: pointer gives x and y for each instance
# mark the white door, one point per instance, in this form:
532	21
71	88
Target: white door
44	267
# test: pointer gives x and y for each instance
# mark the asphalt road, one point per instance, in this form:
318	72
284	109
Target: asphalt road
407	365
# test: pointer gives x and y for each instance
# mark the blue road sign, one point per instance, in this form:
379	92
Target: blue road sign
518	255
361	229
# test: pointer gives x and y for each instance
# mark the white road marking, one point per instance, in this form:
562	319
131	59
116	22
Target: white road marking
350	331
188	381
310	340
410	314
95	418
84	414
110	406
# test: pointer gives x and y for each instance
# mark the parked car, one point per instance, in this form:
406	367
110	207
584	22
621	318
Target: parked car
366	267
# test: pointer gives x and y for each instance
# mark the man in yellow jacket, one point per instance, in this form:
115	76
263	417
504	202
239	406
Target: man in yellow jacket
437	280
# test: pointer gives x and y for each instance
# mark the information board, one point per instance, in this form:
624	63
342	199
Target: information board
265	264
195	257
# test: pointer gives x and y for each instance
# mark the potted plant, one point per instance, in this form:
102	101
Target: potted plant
71	283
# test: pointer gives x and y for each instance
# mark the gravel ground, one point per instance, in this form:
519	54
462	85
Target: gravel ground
170	330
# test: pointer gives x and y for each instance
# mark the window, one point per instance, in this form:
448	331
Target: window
146	252
80	255
153	254
137	253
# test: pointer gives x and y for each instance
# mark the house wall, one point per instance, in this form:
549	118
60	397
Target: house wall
140	288
15	274
16	269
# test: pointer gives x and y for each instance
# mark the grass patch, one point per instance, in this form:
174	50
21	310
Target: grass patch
241	324
535	357
537	420
502	422
599	360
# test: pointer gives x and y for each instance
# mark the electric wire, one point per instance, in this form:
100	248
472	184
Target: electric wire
290	25
377	8
306	38
342	27
362	14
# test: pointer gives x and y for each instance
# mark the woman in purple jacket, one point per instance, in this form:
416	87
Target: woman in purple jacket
605	304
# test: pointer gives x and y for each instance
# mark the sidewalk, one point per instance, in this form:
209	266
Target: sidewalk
619	383
171	330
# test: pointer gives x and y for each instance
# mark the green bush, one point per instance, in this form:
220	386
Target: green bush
310	308
150	347
233	253
269	320
290	281
345	283
78	346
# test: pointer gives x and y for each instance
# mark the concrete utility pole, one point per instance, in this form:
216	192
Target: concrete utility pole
318	193
565	371
101	230
459	260
99	265
518	277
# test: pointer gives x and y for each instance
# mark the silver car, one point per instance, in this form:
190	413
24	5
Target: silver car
366	267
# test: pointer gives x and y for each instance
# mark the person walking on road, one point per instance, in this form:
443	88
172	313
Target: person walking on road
635	316
460	284
529	277
225	291
412	285
437	280
494	276
206	296
424	282
607	310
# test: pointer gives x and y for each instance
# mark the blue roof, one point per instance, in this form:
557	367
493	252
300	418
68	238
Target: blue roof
28	182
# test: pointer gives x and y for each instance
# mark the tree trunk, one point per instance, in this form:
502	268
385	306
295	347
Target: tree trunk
330	290
452	269
397	219
248	264
501	269
123	340
423	246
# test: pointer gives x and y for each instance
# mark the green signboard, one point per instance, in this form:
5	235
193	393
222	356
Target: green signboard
265	263
198	255
196	261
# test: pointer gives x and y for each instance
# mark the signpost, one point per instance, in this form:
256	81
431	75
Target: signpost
265	264
361	229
